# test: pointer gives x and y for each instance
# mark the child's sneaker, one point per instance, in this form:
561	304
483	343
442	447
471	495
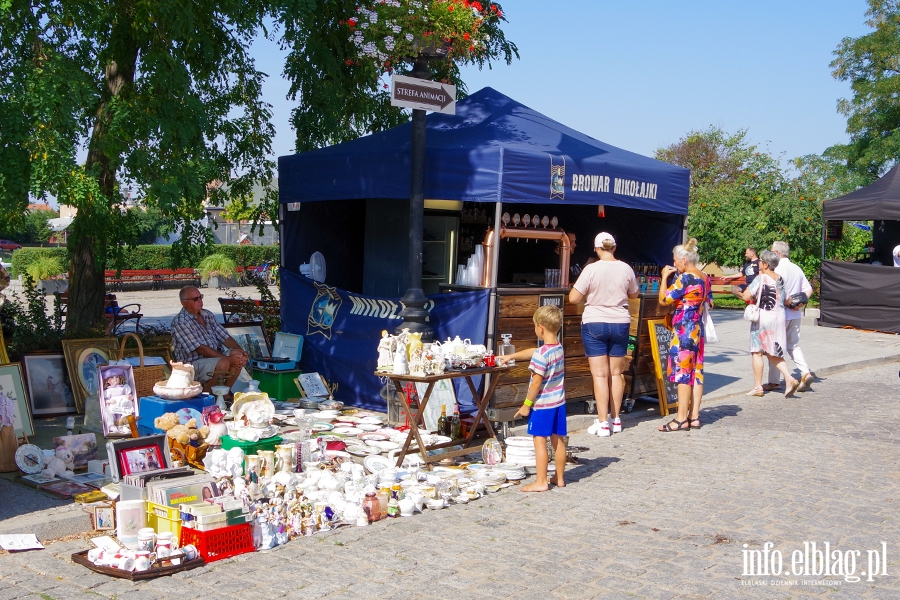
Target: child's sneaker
617	425
602	429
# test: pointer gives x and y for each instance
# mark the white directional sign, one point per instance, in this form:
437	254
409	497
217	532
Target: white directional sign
422	94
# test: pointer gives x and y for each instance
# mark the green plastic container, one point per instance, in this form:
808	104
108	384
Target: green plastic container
229	442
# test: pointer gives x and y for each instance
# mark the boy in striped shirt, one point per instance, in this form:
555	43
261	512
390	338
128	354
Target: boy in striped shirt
545	401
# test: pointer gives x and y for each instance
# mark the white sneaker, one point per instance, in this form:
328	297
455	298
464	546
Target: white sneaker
603	429
594	427
617	425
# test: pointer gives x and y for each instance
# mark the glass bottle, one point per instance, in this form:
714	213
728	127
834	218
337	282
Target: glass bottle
455	425
442	421
384	496
506	347
371	507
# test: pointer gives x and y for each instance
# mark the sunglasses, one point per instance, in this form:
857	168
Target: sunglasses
194	299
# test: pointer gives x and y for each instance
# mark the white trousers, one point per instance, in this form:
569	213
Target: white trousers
792	330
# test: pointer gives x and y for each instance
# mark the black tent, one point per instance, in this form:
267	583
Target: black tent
865	295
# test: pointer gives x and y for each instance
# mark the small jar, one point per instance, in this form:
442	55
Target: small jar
393	508
384	496
396	491
371	507
147	539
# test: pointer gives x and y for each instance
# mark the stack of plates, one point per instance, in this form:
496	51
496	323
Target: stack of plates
310	403
511	470
520	451
490	477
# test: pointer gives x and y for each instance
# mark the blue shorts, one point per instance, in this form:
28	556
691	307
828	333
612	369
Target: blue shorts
545	422
605	339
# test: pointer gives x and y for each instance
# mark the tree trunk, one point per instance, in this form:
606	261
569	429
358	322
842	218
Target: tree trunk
87	285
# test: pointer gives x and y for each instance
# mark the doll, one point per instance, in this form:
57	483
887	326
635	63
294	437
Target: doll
119	400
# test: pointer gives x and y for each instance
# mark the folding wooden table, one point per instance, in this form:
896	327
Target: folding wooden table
472	442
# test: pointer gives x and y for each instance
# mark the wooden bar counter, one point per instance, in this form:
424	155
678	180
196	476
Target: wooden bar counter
515	309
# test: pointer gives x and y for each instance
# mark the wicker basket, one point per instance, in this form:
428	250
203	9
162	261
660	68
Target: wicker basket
144	377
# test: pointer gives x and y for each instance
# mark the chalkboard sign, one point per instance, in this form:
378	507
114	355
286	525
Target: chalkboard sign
660	340
557	300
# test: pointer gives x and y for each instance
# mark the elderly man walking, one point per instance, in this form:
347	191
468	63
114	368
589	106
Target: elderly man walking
794	282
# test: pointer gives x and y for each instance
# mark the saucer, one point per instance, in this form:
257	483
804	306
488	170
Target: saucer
376	463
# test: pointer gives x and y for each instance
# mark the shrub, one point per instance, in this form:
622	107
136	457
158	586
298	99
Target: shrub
45	267
217	265
23	257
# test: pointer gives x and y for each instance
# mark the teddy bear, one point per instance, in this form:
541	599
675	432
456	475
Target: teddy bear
187	434
62	463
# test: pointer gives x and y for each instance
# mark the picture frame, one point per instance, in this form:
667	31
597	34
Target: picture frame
49	387
118	399
65	489
4	356
104	517
83	447
83	356
13	390
312	385
251	337
140	459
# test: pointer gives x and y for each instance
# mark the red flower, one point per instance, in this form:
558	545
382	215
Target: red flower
385	86
450	8
471	48
352	21
466	36
478	6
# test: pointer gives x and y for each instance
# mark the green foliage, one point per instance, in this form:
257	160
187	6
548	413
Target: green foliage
147	225
869	63
29	325
217	265
23	257
741	196
45	267
152	257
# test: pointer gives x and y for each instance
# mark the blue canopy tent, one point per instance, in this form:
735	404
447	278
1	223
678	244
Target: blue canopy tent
493	150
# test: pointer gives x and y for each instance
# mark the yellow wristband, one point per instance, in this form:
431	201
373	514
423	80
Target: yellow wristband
529	403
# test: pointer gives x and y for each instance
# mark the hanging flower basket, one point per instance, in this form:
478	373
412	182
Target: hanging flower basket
395	31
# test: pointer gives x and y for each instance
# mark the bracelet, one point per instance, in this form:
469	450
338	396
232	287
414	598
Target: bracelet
529	403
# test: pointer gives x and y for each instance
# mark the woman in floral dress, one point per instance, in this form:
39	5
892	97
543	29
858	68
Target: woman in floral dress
689	292
768	335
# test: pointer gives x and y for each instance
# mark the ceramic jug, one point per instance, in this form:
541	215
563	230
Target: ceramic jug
459	347
414	343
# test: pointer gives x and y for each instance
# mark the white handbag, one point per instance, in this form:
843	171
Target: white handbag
709	329
751	313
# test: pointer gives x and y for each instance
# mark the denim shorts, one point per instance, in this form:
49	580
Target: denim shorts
605	339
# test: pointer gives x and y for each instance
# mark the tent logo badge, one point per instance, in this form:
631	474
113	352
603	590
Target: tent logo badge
558	179
324	310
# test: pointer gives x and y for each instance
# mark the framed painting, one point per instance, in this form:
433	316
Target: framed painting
83	447
49	388
251	337
104	517
82	359
14	399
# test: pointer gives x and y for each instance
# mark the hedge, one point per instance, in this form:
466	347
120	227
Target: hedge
152	256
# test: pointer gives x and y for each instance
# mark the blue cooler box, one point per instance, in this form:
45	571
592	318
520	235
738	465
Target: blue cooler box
154	406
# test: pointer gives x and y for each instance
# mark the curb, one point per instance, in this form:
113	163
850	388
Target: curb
51	523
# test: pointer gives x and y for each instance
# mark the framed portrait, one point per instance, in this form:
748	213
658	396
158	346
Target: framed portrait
140	460
82	359
104	517
251	337
14	399
118	399
83	447
49	388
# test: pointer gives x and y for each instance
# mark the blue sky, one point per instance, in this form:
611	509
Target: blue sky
640	75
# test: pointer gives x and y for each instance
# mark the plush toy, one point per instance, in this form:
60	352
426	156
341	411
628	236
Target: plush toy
62	463
187	434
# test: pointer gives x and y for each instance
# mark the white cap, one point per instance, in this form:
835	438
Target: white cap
602	237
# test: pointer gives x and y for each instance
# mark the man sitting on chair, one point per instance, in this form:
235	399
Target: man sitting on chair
201	341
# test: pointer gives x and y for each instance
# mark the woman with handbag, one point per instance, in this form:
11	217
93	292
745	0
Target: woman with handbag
767	330
689	292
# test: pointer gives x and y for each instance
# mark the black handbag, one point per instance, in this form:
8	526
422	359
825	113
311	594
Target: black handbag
798	301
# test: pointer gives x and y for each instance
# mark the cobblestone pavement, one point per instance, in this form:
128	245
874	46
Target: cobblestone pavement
646	515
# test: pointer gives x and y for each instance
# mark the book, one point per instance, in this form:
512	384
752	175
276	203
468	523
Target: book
37	479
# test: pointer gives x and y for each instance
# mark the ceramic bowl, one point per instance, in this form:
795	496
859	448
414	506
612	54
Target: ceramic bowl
435	503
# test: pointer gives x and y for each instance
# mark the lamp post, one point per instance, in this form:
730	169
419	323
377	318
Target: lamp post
414	315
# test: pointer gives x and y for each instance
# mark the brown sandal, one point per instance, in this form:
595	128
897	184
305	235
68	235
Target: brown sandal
757	391
668	426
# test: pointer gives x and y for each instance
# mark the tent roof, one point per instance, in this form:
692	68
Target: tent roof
493	149
879	200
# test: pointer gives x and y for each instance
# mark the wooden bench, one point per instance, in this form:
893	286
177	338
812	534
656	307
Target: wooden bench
115	280
722	287
240	310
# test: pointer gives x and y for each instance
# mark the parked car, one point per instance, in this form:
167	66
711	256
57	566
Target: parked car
9	245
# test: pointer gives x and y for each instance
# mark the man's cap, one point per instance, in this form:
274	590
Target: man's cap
602	237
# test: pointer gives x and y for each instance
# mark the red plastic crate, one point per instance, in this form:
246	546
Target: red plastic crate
217	544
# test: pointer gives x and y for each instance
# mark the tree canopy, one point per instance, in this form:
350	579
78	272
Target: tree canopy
871	63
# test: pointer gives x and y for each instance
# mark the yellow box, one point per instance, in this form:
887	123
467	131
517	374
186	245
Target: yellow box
164	518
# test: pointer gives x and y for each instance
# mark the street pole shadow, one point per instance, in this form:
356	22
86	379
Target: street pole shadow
710	415
587	467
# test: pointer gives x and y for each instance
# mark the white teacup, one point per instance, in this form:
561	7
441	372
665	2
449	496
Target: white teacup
143	560
190	552
125	563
